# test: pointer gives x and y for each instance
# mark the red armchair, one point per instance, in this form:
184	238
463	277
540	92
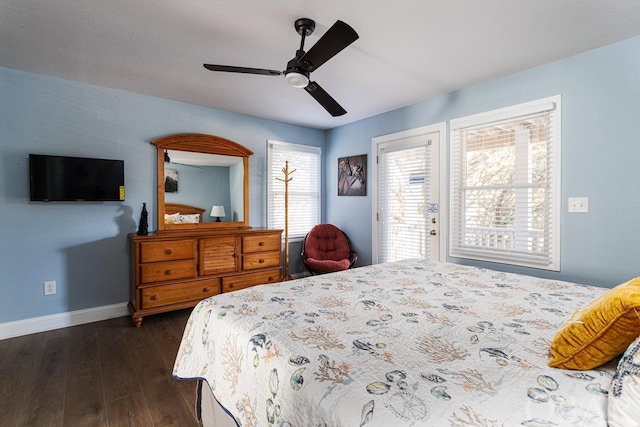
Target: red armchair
326	248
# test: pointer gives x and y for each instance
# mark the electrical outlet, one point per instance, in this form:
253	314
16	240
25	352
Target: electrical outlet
50	288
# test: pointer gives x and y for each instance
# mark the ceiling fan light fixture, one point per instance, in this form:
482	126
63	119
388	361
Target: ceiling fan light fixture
296	79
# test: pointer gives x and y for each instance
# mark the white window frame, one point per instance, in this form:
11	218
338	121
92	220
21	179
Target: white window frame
275	187
520	255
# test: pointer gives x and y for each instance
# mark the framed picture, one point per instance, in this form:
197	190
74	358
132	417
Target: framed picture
170	180
352	176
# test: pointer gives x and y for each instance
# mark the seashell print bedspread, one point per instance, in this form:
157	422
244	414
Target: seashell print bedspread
410	343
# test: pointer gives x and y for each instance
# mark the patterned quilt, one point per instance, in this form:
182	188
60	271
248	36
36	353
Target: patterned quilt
410	343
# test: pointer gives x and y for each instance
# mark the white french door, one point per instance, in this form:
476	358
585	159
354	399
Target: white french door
407	206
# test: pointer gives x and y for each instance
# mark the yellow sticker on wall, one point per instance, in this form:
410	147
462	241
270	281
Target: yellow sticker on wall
122	192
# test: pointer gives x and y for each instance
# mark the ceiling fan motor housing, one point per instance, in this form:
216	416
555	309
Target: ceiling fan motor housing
295	74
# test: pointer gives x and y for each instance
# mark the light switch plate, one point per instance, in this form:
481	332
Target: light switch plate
578	204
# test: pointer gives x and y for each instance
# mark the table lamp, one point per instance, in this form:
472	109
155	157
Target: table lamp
217	211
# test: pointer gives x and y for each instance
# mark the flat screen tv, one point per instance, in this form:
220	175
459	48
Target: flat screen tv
66	179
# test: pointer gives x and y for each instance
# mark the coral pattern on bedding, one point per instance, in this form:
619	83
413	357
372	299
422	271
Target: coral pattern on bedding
399	344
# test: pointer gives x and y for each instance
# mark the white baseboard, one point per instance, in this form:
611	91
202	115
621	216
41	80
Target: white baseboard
61	320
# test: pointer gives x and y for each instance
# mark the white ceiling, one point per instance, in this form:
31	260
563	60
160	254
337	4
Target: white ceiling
408	50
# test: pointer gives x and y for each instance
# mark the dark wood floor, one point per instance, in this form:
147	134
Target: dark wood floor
99	374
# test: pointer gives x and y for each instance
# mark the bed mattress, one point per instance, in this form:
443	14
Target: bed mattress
404	344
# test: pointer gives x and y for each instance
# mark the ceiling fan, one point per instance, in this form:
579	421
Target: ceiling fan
167	159
339	36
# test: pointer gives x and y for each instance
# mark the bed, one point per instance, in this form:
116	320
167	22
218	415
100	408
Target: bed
399	344
176	213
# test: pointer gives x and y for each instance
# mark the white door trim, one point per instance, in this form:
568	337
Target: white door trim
441	129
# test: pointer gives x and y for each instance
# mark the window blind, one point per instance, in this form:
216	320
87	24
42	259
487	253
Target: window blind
304	187
404	177
505	177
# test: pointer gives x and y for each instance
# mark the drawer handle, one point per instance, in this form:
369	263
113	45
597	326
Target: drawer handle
207	289
261	244
261	261
154	297
168	272
232	285
271	279
168	251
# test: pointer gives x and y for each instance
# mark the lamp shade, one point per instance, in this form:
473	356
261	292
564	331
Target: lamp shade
217	211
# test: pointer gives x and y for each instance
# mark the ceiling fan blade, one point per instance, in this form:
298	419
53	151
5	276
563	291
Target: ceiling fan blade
245	70
325	99
339	36
186	164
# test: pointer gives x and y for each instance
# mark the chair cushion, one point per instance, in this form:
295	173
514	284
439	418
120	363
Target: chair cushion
327	266
327	243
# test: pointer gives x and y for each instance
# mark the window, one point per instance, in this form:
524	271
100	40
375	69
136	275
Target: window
505	185
304	187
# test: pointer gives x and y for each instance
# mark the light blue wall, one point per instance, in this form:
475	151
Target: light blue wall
202	186
600	157
236	202
83	246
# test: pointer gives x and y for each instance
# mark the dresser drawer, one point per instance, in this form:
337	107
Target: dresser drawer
167	250
242	281
170	294
163	271
261	260
261	243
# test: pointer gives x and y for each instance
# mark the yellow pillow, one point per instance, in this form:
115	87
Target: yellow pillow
600	331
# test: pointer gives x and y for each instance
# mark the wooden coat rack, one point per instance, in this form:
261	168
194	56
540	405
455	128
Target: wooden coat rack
286	179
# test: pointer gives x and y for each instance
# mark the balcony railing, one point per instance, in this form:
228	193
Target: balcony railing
504	238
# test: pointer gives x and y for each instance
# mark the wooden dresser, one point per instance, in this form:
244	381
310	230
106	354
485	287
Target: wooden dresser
176	270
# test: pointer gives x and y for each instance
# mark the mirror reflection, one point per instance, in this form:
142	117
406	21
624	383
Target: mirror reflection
204	171
212	182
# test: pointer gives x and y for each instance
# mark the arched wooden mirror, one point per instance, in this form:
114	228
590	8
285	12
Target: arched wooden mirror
198	174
